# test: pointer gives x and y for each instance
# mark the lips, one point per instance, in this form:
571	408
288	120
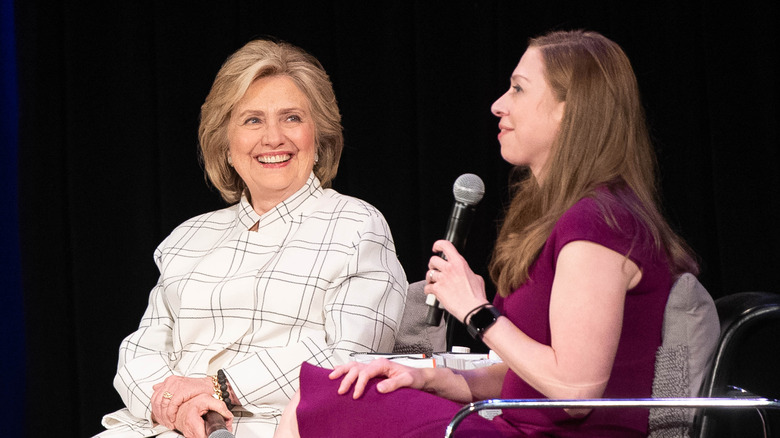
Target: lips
274	159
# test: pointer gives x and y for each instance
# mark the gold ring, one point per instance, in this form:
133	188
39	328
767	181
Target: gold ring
167	395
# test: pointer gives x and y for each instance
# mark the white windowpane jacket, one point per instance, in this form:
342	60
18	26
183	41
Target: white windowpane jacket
317	281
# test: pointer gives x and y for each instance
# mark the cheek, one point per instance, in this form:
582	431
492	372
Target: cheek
233	140
309	137
305	141
239	141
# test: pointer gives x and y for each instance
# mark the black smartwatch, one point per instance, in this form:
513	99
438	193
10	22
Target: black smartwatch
481	320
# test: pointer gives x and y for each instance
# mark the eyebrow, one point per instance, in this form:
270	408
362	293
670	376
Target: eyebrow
281	111
517	78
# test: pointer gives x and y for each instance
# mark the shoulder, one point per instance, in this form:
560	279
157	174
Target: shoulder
602	207
604	217
346	206
222	218
350	216
213	222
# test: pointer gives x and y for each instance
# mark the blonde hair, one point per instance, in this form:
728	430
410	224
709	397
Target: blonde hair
259	59
603	141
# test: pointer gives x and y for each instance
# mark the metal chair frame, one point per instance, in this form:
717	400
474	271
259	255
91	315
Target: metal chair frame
738	314
691	402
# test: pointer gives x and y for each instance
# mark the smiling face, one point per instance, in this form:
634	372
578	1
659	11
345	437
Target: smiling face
530	115
271	137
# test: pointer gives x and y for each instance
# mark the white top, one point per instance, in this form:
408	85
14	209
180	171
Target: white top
319	280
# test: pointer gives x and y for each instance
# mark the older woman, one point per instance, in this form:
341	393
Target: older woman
292	272
583	265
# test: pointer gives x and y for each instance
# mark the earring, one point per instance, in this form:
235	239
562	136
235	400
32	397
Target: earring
316	157
230	160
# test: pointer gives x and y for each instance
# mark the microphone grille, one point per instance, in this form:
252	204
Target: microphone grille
468	189
221	433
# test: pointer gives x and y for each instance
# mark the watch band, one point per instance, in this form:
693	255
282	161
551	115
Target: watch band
482	320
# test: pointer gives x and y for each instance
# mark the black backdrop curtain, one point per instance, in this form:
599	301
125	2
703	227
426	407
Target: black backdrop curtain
110	95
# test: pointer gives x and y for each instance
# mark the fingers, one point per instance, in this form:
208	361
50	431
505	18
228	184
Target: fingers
348	380
397	376
349	371
444	250
359	374
171	409
160	402
190	424
228	419
190	419
450	279
436	264
393	383
170	394
362	381
445	258
340	370
220	408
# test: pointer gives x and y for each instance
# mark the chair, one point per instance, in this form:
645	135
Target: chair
695	363
745	318
414	334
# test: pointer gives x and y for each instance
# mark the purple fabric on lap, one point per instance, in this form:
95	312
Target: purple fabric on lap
402	413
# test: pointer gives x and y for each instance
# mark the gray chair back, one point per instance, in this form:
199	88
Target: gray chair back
689	339
414	335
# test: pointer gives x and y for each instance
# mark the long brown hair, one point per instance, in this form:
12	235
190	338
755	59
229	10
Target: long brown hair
603	141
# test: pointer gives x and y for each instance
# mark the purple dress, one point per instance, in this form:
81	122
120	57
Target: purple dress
602	219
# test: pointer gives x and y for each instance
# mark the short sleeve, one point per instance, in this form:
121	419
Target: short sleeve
605	221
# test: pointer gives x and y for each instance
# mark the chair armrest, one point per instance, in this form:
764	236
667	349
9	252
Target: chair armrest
684	402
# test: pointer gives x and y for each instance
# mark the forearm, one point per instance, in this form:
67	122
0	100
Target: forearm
538	364
265	381
144	355
446	383
484	382
134	381
585	322
464	386
363	315
143	362
360	315
365	303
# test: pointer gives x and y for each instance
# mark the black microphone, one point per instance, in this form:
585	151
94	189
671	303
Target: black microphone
468	190
215	425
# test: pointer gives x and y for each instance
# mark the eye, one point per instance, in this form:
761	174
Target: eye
252	121
293	118
517	88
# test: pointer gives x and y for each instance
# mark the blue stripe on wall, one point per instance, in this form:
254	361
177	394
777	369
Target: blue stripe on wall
11	310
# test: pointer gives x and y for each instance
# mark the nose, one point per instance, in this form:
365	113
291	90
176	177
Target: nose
498	108
273	135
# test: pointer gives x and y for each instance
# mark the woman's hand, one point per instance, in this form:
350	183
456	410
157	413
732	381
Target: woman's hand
453	283
397	376
170	394
189	420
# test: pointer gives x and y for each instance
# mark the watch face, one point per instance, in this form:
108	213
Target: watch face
485	316
482	320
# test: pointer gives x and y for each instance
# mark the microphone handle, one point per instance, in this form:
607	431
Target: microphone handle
435	312
459	225
457	230
215	425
